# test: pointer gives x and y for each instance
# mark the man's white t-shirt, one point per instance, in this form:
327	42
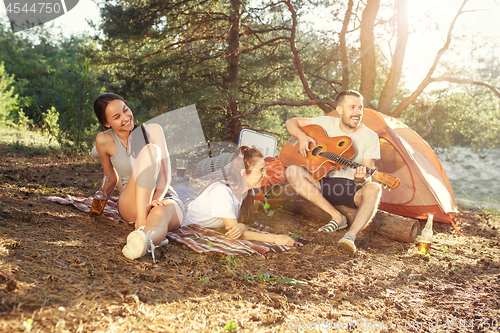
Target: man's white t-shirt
217	201
365	140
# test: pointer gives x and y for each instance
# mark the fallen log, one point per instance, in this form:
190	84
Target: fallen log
395	227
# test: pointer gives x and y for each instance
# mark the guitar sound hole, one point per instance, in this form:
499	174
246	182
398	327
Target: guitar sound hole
316	150
341	143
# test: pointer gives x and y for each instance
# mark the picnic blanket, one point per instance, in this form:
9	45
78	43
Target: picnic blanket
83	204
201	240
197	238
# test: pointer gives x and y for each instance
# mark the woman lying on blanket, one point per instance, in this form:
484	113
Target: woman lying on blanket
220	202
138	156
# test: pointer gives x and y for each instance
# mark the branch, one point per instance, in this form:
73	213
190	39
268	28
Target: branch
251	9
181	43
425	82
298	63
428	125
267	43
287	103
250	31
332	83
468	81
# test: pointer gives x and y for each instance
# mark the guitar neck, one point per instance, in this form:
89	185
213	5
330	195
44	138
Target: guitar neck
344	161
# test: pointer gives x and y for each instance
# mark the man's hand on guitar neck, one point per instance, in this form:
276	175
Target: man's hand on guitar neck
360	174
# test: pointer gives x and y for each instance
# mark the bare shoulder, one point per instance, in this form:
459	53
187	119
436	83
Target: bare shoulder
104	138
104	143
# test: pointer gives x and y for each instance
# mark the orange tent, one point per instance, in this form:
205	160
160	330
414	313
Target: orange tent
425	188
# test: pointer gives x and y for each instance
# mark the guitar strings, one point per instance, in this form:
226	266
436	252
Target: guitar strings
342	160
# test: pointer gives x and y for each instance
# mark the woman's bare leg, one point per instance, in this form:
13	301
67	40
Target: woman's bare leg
163	219
135	200
159	221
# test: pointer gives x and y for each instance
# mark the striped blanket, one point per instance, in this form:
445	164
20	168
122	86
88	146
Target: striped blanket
83	204
205	240
195	237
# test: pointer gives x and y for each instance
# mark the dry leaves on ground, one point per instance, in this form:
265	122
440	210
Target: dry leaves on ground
61	271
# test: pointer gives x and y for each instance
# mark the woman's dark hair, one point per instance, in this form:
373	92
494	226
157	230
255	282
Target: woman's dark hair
247	206
102	102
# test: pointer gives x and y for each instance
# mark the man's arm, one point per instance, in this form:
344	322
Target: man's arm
369	163
294	128
293	125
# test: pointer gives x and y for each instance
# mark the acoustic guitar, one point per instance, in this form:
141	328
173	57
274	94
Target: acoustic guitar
329	153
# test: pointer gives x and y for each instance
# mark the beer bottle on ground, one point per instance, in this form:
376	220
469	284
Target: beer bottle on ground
100	199
426	236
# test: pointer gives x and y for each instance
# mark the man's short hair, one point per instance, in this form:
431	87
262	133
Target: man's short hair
341	95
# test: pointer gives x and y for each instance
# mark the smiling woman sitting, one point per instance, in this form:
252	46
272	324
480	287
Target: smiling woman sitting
138	155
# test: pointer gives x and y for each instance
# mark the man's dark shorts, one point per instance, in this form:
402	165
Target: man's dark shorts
339	191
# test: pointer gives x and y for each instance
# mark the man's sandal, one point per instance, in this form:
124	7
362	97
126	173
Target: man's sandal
347	243
334	226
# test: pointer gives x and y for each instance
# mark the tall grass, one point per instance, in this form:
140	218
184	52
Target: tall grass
22	138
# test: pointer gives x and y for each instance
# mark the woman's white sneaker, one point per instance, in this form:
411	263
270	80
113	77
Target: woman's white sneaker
138	243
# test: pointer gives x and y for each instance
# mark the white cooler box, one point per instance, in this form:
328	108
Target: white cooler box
267	144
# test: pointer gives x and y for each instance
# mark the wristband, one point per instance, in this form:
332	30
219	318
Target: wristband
360	184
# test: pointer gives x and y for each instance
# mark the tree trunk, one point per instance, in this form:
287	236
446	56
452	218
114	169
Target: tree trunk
81	116
368	59
231	80
391	85
428	78
343	46
395	227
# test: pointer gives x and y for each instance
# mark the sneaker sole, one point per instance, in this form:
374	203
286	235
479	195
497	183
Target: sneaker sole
347	245
136	245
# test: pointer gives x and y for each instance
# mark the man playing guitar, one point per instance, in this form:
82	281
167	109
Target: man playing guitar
346	186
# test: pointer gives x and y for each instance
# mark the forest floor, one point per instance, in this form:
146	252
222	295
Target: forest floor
61	271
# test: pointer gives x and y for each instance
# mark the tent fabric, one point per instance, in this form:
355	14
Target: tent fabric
424	188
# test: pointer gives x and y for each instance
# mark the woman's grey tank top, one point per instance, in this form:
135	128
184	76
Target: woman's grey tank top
121	160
